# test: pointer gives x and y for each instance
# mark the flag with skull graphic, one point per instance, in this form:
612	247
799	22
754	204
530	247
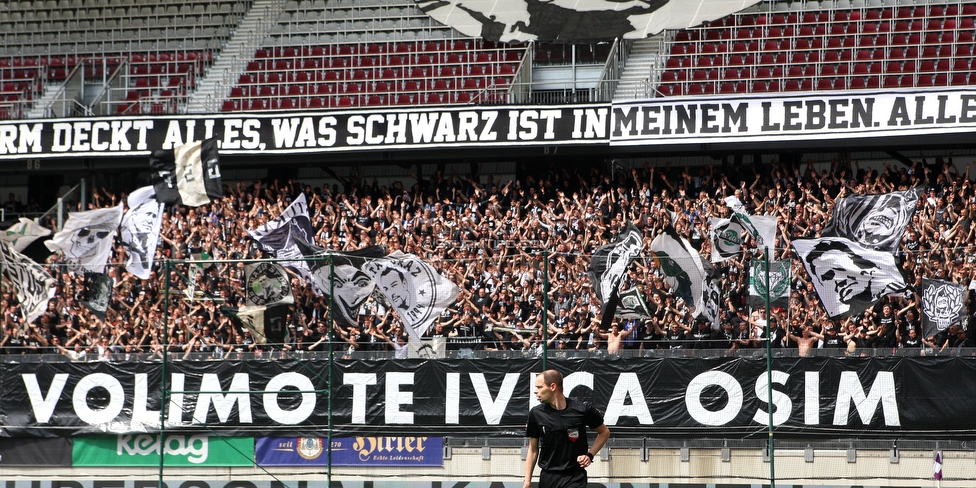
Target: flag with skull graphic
943	304
86	239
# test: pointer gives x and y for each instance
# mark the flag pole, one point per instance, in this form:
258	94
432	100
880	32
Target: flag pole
769	372
328	473
545	307
164	400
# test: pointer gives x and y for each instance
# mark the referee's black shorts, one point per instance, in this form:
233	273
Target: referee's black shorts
574	478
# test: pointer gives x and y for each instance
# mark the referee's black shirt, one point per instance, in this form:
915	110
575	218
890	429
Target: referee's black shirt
562	434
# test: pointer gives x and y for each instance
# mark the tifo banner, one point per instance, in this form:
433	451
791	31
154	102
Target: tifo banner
308	132
350	451
820	116
178	450
574	21
873	397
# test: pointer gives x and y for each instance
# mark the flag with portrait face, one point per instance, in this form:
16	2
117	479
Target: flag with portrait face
415	290
943	304
609	264
873	221
33	285
848	278
726	238
140	231
23	233
340	274
98	292
683	267
86	239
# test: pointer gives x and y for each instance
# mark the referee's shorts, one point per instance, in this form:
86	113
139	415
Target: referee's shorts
574	478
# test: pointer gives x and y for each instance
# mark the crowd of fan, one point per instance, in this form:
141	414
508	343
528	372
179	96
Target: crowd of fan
491	237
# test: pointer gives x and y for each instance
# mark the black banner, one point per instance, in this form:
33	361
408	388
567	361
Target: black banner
309	132
874	397
35	451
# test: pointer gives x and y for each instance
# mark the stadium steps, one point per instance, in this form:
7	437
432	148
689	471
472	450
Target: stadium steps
42	104
232	60
636	80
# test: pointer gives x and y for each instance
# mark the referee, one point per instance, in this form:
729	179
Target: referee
557	435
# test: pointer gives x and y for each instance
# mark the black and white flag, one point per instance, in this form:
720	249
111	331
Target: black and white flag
683	267
279	236
266	284
23	233
711	296
609	264
943	304
34	286
266	322
416	291
140	231
98	292
574	21
632	305
726	238
778	283
187	174
86	239
762	228
873	221
848	278
350	286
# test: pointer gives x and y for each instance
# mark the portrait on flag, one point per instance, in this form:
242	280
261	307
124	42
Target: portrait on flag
417	293
609	263
340	274
943	303
86	239
873	221
848	278
98	292
140	231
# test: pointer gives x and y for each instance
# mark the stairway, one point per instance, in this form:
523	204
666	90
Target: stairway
640	75
232	59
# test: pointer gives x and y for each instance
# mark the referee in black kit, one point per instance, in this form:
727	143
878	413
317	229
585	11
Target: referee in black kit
557	435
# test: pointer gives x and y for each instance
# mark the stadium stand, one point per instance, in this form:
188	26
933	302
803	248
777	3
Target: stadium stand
835	47
319	54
